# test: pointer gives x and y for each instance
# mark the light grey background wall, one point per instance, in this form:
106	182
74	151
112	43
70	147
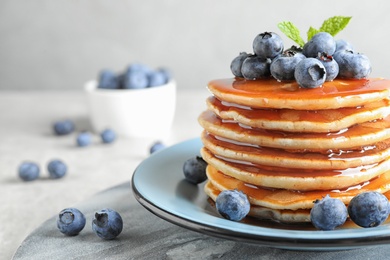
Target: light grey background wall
60	44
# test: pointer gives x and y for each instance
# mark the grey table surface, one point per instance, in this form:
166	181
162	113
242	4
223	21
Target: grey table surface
146	236
99	176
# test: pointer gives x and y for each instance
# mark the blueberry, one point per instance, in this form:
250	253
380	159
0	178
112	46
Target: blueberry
267	45
107	223
135	80
28	171
156	78
166	73
57	169
108	136
70	221
328	213
343	45
255	67
331	66
283	66
83	139
108	80
236	64
156	147
310	73
194	170
352	64
320	42
63	127
368	209
232	204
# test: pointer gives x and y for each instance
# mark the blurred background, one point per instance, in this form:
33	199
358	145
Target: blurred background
61	44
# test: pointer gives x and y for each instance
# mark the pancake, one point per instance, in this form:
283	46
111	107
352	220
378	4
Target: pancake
354	137
281	158
295	179
289	199
318	121
286	216
270	93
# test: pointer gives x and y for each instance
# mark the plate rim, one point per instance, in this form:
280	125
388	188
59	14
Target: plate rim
325	240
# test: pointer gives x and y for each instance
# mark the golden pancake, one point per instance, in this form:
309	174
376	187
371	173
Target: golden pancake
318	121
294	179
354	137
282	158
270	93
286	216
289	199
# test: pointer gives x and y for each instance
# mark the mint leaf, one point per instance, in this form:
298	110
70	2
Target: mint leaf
292	32
311	32
335	24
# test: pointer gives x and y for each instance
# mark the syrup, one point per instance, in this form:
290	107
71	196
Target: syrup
270	93
289	199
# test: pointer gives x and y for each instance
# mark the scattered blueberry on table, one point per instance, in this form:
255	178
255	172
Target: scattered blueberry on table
70	221
84	139
63	127
156	146
57	169
108	136
28	171
369	209
328	213
194	170
232	205
107	223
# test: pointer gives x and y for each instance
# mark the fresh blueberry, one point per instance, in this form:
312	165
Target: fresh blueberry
232	204
283	66
331	66
352	64
343	45
70	221
137	79
108	136
28	171
107	223
369	209
236	64
255	67
267	45
57	169
63	127
194	170
328	213
167	74
108	80
83	139
156	78
320	42
156	147
310	73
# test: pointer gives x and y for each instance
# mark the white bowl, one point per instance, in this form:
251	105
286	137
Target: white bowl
136	113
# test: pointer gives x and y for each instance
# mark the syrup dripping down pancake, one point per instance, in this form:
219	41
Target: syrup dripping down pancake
279	95
318	121
294	179
356	136
281	158
284	205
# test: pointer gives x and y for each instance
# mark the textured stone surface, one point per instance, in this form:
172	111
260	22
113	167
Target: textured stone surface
146	236
26	134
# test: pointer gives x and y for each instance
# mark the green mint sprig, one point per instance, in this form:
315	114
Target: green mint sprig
331	25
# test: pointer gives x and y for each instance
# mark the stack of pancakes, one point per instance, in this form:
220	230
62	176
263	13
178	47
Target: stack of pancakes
285	146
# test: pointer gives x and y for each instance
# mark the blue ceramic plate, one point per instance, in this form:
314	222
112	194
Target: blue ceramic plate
159	185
